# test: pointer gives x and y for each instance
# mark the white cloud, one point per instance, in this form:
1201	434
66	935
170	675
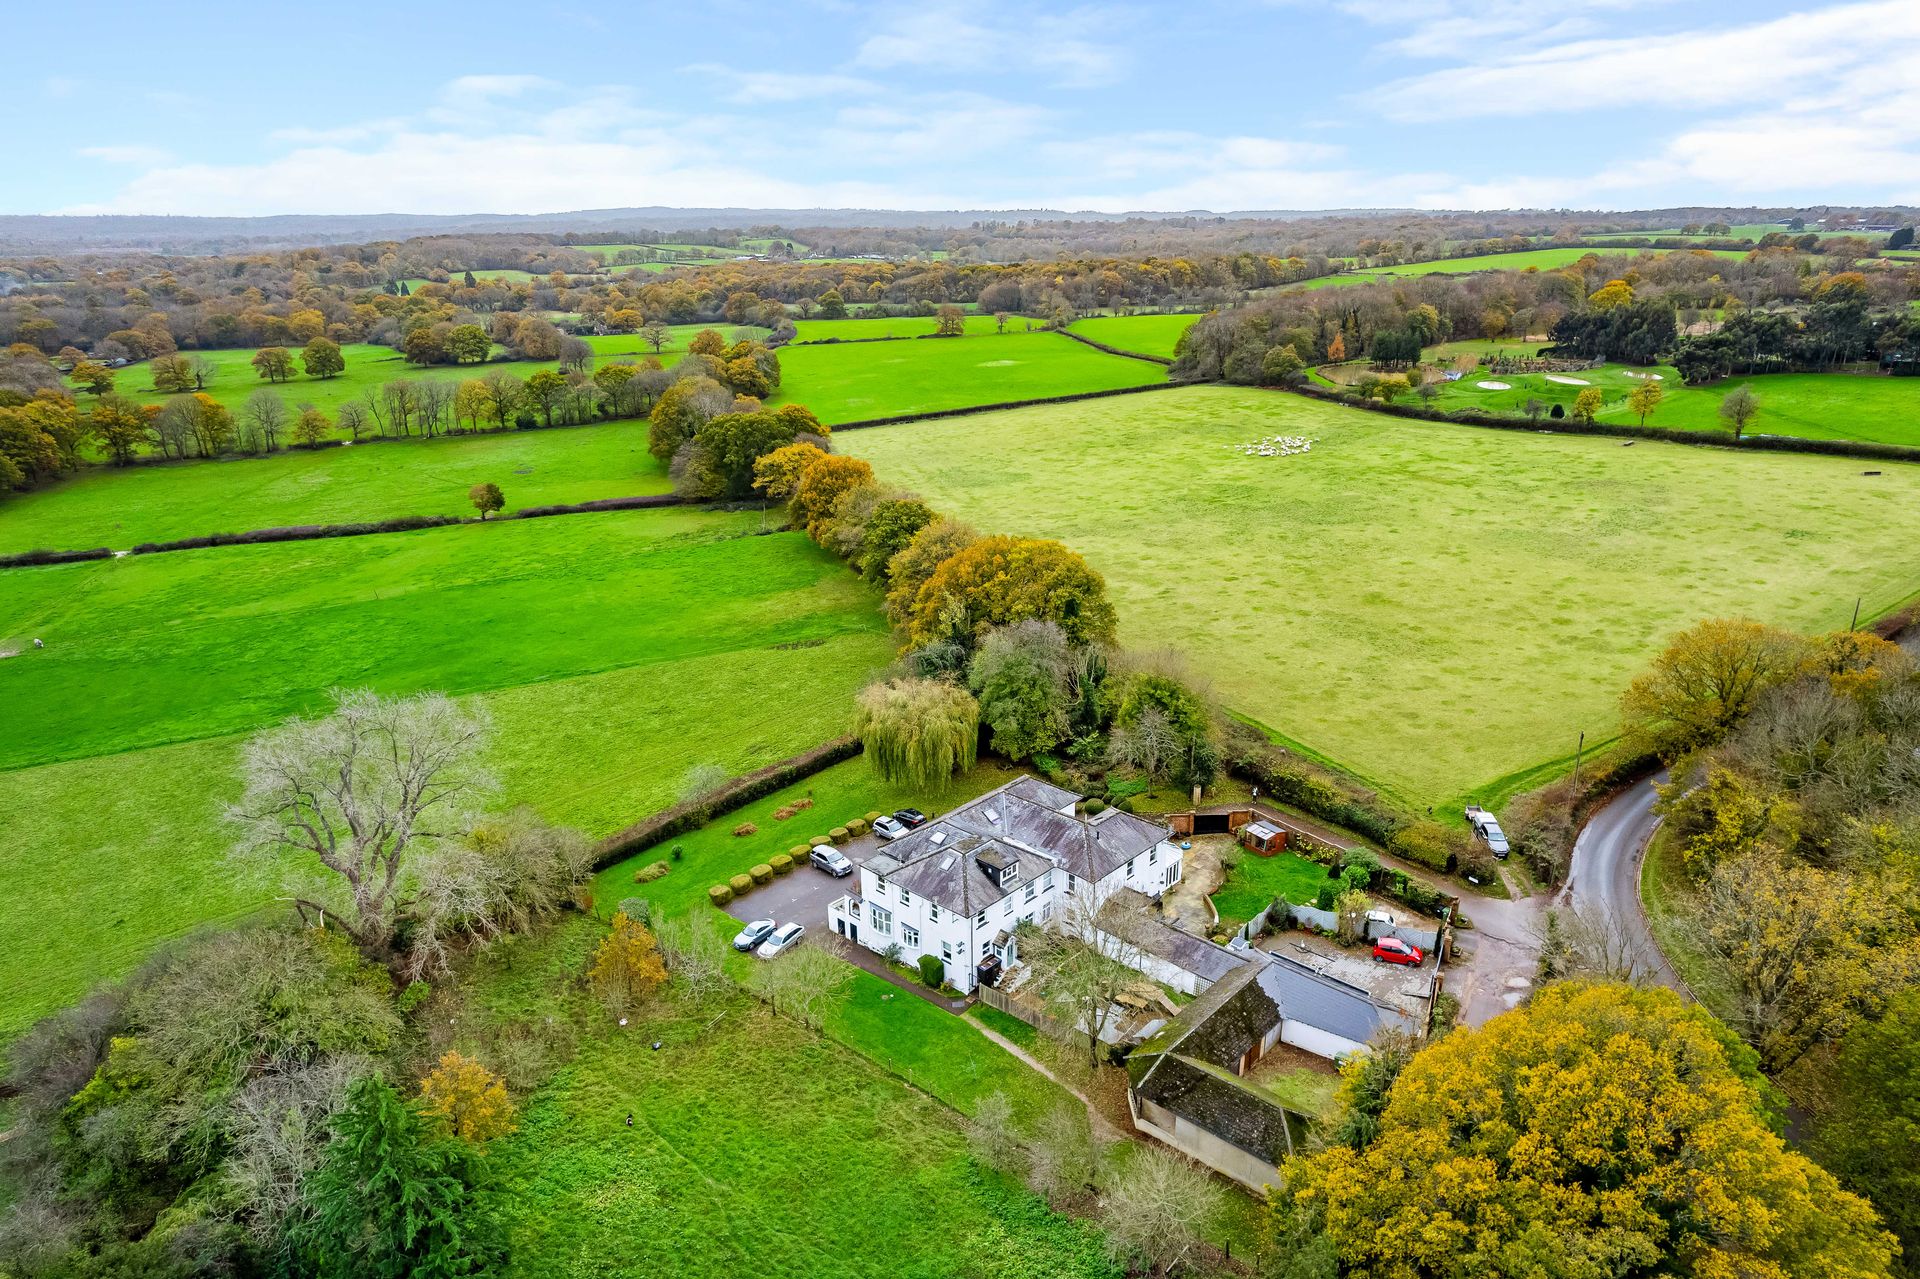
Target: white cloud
1718	67
756	88
987	39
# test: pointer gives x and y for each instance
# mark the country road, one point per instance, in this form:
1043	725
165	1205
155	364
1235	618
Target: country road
1605	875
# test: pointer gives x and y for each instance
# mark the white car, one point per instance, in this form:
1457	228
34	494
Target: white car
781	941
753	934
889	827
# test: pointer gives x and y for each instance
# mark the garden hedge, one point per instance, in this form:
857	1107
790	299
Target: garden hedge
856	828
762	873
742	884
41	555
781	863
720	894
838	835
799	852
742	790
871	818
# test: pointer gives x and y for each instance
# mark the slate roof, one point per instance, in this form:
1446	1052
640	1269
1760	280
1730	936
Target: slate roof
1326	1002
1127	915
1024	820
1217	1101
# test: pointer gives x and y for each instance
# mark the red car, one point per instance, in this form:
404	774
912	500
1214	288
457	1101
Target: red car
1391	950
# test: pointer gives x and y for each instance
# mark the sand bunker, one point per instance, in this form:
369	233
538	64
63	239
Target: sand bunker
1494	386
1564	380
1651	377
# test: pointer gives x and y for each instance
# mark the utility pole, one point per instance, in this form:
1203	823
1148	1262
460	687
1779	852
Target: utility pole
1854	625
1578	751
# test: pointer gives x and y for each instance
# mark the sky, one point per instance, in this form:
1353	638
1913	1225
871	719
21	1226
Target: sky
208	107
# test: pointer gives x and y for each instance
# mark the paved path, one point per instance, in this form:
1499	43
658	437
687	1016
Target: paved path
1604	877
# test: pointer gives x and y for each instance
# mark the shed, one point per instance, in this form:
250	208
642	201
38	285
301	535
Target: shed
1263	837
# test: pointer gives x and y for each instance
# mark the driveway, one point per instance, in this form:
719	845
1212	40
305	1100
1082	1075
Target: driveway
801	896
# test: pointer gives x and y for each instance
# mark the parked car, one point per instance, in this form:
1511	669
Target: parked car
753	934
1391	950
781	941
889	827
910	817
831	860
1487	826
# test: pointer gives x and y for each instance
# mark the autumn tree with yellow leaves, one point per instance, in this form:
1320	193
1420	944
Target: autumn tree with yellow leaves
471	1099
627	966
1598	1130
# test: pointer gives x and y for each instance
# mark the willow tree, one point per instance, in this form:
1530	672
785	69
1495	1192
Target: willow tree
917	731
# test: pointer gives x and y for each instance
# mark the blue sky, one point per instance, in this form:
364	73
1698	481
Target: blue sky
428	107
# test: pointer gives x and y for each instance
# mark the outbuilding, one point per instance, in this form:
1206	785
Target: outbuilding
1263	837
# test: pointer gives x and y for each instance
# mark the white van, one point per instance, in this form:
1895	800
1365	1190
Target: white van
1487	827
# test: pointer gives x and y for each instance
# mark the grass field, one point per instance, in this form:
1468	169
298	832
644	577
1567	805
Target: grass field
1818	406
908	326
614	652
120	507
369	366
755	1141
1435	607
1147	334
846	383
1536	259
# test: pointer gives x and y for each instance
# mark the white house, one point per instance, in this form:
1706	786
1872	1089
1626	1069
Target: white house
958	886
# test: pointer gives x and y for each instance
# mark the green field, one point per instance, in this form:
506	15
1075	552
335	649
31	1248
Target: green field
1434	607
909	326
851	382
1146	334
613	651
120	507
1529	259
1817	406
368	366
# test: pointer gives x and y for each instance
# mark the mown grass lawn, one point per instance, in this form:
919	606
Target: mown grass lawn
854	381
1251	886
1146	334
123	506
614	653
1435	607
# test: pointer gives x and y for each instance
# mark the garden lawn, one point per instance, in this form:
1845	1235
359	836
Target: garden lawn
121	507
1434	607
855	381
1251	886
758	1147
614	653
909	326
1146	334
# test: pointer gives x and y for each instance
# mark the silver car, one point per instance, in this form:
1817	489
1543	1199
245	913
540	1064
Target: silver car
781	941
753	934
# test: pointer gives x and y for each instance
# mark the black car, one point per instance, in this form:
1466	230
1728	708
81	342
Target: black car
910	818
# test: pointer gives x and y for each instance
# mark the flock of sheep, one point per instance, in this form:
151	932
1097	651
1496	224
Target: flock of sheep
1275	446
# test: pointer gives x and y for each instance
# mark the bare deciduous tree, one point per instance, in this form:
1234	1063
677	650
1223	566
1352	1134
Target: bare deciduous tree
1146	744
506	873
802	983
357	790
1062	1153
695	956
991	1137
1155	1209
1079	966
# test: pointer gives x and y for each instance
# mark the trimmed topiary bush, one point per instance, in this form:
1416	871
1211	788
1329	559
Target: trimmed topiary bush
741	883
762	874
1093	807
799	852
856	828
838	835
818	841
871	818
781	863
932	971
720	894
